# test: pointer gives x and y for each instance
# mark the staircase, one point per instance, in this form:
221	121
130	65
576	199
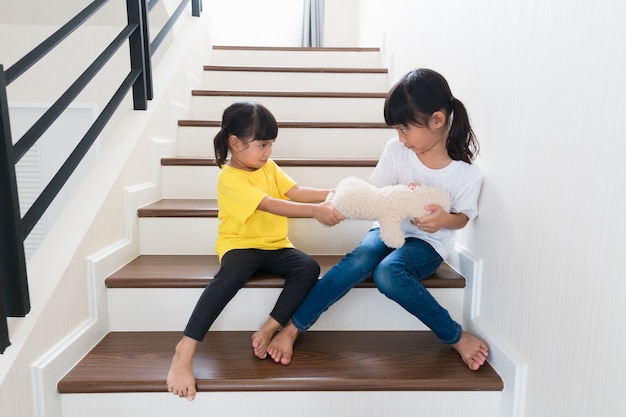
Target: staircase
365	356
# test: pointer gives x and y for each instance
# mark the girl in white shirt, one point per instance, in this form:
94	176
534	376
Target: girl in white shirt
435	146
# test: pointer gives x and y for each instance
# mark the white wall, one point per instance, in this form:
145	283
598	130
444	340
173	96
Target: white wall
341	24
544	84
255	23
41	163
279	22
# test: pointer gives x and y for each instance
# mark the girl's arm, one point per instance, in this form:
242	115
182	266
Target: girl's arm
307	194
440	219
324	213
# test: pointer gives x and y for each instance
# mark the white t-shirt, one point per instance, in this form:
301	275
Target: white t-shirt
462	181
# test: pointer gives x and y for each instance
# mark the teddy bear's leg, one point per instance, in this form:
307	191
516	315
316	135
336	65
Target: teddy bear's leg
391	232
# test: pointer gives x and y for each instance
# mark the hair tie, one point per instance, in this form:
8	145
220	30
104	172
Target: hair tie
451	100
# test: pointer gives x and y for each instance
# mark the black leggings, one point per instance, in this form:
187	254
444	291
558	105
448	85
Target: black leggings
300	270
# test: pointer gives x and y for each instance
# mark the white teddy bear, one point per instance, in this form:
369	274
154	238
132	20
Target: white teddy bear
355	198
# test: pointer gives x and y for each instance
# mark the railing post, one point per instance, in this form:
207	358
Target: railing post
140	53
196	7
4	326
14	297
147	54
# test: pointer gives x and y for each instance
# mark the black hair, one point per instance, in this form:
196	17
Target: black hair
419	94
248	121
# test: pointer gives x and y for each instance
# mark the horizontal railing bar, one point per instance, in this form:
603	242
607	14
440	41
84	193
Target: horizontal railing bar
152	3
36	211
46	46
158	39
40	126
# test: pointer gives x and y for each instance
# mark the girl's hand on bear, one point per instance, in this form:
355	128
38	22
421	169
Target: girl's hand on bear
431	222
326	214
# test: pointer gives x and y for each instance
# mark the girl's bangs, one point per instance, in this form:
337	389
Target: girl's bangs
399	109
265	127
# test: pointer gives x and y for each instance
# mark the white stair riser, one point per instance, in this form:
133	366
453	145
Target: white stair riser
283	404
168	309
201	181
333	59
297	142
197	236
312	109
294	81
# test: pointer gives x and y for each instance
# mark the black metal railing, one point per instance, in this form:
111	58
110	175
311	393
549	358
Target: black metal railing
14	229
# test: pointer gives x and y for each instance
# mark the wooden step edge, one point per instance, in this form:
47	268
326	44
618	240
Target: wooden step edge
329	70
322	361
283	162
196	271
183	207
295	125
287	94
296	48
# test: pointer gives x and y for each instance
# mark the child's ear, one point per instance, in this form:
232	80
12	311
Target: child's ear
437	120
234	143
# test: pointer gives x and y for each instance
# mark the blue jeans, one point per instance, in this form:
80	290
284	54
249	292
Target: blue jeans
397	274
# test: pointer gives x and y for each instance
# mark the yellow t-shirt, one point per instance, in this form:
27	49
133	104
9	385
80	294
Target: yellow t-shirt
239	193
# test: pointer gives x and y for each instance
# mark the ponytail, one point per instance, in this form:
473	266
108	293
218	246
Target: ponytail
220	145
462	143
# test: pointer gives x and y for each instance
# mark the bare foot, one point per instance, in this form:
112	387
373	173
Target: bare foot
281	346
180	378
261	338
473	351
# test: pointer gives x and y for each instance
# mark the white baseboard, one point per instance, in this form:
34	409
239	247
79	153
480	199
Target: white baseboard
51	367
507	363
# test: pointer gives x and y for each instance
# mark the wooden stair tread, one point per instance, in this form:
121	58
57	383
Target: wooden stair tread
180	207
332	70
289	94
283	162
295	125
322	361
297	48
196	271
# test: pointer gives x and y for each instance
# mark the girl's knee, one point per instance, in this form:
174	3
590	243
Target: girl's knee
390	277
386	278
306	265
312	269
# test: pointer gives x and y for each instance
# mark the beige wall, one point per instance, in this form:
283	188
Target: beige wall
341	23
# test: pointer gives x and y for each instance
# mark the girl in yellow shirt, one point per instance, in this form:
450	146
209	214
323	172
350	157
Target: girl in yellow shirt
255	198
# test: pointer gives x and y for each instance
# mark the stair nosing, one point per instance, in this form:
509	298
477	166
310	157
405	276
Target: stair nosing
196	271
323	361
294	125
294	69
295	48
283	162
286	94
